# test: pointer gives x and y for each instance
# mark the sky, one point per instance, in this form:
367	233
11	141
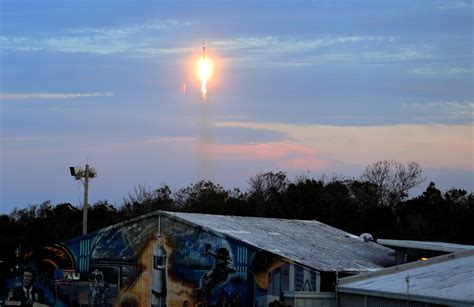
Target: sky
306	87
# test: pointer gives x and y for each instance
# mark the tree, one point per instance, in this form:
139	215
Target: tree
265	187
202	197
393	180
101	214
145	200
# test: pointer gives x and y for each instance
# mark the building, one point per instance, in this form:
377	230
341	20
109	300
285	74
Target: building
446	280
185	259
409	251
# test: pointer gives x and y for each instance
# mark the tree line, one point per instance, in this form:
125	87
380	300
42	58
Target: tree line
377	202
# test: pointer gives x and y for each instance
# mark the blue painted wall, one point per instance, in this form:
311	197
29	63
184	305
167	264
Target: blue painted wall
150	261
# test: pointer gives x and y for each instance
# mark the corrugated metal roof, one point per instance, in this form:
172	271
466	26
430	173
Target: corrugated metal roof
310	243
426	245
451	280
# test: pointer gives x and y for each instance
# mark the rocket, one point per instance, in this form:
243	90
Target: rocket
158	283
203	49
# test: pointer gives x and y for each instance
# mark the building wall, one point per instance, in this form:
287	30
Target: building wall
358	300
311	299
161	261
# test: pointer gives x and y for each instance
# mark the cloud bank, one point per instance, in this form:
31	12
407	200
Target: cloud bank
25	96
433	146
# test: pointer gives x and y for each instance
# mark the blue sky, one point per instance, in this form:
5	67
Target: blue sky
319	86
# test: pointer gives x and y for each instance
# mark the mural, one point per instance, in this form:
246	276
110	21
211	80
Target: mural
217	275
154	261
158	284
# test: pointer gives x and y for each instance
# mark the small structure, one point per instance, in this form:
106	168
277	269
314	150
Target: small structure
409	251
440	281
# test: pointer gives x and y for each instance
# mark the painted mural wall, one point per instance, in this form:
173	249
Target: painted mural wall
152	261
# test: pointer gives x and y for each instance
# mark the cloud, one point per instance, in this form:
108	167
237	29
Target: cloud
121	32
436	146
284	155
67	44
270	50
133	39
435	111
23	96
165	51
441	71
95	40
454	4
174	160
357	49
367	57
279	45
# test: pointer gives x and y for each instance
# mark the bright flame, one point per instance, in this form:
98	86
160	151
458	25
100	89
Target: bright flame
204	72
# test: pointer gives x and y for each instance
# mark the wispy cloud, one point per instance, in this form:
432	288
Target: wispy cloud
281	45
357	49
165	51
94	40
75	44
441	71
23	96
367	57
133	39
455	4
458	110
120	32
274	50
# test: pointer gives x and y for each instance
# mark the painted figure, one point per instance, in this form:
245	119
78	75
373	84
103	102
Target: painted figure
158	284
27	294
219	274
98	289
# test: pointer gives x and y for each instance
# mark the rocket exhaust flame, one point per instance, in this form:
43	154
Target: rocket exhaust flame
204	71
203	90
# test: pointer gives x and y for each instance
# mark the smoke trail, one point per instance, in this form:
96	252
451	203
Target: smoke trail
206	166
204	68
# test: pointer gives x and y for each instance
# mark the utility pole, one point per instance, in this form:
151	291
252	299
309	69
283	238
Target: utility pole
86	193
88	173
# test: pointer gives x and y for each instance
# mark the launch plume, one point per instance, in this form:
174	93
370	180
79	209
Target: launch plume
204	71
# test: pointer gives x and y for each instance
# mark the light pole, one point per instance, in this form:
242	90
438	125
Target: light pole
78	173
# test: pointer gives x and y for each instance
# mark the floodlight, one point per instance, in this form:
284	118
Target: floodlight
92	172
72	169
77	172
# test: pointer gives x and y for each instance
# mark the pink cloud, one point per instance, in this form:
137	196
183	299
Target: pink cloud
288	155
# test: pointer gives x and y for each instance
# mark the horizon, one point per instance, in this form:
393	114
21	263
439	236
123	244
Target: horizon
301	87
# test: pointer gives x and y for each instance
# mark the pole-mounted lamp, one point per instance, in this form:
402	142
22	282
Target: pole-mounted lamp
78	173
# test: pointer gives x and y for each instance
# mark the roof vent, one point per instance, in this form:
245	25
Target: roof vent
367	237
